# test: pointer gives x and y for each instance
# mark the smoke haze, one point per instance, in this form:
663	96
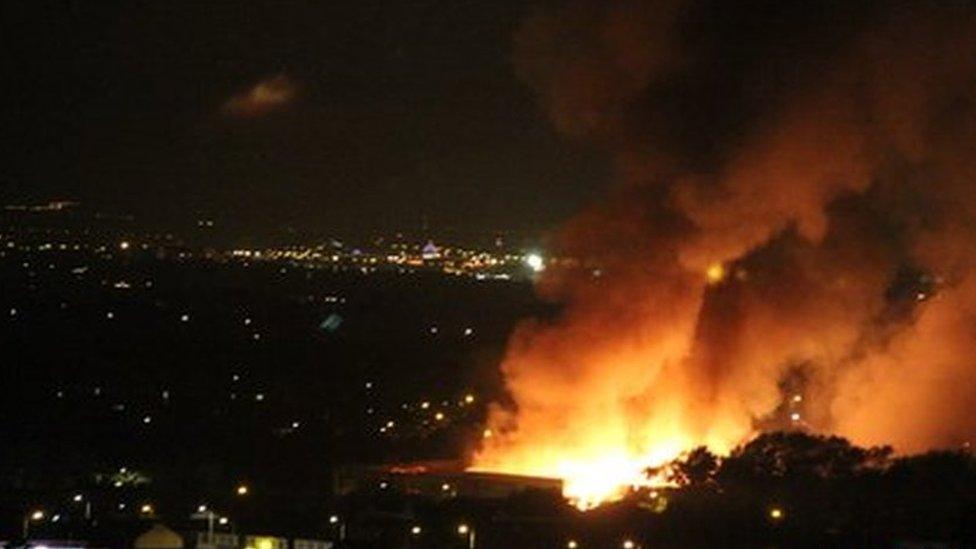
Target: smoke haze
793	218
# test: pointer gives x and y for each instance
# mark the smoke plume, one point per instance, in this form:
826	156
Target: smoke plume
790	241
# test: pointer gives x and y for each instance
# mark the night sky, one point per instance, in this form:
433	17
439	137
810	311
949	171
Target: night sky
344	115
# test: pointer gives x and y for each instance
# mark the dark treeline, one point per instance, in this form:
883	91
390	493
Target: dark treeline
812	489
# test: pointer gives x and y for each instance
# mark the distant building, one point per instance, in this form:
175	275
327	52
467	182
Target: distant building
430	251
159	537
438	479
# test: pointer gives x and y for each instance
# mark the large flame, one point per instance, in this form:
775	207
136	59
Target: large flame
792	244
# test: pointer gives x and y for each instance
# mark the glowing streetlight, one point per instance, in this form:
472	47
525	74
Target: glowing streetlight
336	521
777	514
535	262
468	532
572	544
416	530
242	490
32	516
628	544
146	509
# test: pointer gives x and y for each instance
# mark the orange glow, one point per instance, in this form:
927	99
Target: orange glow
655	350
715	273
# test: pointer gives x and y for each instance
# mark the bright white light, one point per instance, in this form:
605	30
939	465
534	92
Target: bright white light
463	529
795	416
201	508
333	519
416	530
535	262
223	521
78	497
628	544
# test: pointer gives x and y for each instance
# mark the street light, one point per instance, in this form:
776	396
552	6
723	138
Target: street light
571	544
242	490
78	498
629	544
416	530
467	531
32	516
777	514
336	521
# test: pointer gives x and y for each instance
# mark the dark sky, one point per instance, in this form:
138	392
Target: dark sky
396	110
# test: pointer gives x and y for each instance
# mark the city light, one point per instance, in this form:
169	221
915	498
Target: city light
777	514
628	544
223	521
78	498
416	530
146	509
535	262
572	544
463	529
242	490
37	515
333	519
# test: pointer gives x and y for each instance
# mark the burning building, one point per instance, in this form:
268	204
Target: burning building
791	177
437	480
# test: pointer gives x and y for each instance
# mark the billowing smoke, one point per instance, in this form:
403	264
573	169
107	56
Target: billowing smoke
790	243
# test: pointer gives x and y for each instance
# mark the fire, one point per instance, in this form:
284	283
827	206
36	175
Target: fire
835	191
592	476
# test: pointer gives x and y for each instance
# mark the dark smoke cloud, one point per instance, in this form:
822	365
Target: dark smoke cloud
824	153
